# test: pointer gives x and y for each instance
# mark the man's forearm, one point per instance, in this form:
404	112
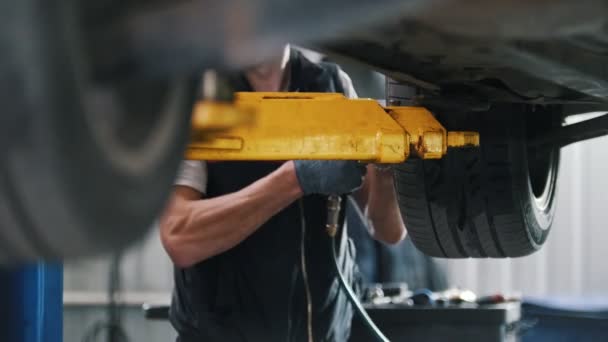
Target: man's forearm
382	207
197	230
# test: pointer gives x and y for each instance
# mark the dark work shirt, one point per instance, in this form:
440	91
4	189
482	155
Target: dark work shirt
256	290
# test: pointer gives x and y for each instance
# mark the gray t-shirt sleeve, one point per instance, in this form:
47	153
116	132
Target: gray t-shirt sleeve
193	174
347	84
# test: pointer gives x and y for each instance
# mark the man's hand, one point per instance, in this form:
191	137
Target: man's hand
328	177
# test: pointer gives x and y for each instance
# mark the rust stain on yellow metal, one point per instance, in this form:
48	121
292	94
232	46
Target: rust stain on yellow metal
428	138
427	135
317	126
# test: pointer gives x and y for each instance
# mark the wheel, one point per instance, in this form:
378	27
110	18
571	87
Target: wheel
495	201
84	167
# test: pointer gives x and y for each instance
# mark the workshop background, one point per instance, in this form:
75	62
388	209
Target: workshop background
572	262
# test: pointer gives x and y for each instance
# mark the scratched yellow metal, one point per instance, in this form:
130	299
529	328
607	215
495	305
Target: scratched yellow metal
213	116
427	135
428	138
319	126
463	139
307	126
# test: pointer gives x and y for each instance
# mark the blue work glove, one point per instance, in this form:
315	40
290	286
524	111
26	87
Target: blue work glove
329	177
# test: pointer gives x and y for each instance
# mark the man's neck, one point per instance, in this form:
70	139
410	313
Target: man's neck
271	76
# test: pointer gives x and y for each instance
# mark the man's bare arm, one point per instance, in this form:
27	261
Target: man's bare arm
195	229
379	200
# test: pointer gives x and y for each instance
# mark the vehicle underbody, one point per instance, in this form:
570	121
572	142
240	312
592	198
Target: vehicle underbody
103	90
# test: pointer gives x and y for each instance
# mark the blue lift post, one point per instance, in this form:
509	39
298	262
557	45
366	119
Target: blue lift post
31	303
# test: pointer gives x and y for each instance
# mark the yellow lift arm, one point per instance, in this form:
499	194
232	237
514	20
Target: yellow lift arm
323	126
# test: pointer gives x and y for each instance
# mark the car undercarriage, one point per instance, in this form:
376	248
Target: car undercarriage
103	90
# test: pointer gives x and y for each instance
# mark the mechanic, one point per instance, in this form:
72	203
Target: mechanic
248	239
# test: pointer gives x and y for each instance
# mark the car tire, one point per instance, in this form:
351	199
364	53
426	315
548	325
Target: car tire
495	201
85	167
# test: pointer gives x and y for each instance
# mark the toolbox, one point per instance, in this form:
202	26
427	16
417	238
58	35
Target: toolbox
464	322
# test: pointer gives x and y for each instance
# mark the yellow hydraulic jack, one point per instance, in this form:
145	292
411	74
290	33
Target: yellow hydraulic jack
285	126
